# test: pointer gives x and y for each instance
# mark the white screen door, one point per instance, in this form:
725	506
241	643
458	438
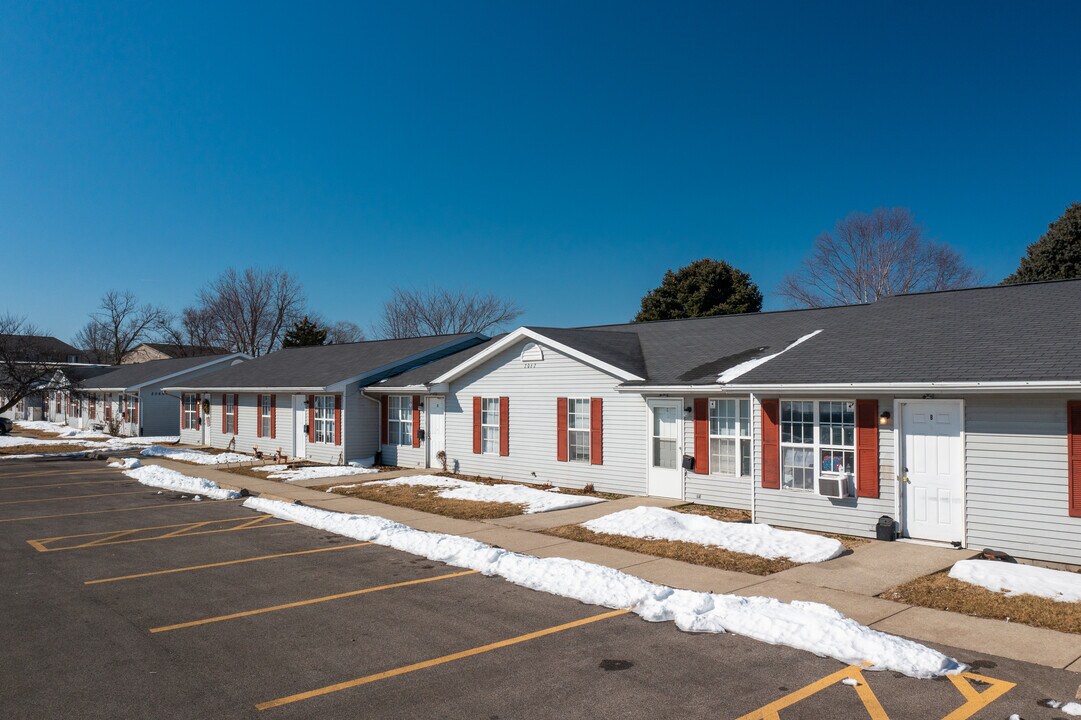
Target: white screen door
665	445
437	430
300	421
932	470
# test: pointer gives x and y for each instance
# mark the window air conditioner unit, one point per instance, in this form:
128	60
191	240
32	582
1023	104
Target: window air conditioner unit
833	484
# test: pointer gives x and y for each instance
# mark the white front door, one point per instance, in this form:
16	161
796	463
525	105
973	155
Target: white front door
300	425
932	470
437	430
665	448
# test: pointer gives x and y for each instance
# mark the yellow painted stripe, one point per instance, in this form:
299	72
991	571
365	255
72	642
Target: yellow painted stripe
773	709
436	661
222	564
56	485
312	601
149	527
158	506
169	536
70	497
974	704
870	701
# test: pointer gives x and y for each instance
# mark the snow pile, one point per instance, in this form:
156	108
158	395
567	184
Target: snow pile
282	472
363	462
802	625
158	476
197	457
59	429
659	524
534	500
126	463
1012	579
16	441
747	365
1070	708
149	440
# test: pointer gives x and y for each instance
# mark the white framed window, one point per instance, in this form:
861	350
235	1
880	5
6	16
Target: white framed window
264	416
191	412
230	413
324	419
578	429
730	437
816	436
489	426
92	407
133	410
400	420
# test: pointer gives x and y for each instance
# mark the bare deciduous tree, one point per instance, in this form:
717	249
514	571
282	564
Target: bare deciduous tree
249	310
871	256
193	331
120	324
414	313
27	363
344	331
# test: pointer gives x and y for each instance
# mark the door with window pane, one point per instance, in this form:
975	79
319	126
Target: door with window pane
665	448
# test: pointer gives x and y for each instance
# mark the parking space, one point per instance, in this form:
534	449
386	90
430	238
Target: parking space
143	604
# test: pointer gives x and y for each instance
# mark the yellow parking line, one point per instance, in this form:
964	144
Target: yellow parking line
436	661
70	497
56	485
222	564
158	506
312	601
976	701
40	544
149	527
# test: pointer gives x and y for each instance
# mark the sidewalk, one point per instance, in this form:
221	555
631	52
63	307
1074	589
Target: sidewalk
849	584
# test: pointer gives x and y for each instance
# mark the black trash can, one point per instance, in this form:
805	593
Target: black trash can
884	529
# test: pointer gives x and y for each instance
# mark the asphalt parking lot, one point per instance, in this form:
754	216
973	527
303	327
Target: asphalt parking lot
120	601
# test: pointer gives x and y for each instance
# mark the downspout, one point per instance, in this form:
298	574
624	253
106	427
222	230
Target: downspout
755	449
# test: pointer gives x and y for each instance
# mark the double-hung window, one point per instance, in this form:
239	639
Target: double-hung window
816	436
230	413
578	429
191	412
730	437
92	407
489	425
133	410
324	419
264	416
400	420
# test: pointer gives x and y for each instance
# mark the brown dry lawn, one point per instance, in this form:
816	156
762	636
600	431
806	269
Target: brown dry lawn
43	449
692	552
941	592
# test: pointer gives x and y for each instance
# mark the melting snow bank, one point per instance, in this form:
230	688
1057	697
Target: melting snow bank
126	463
659	524
282	472
196	456
534	500
158	476
1070	708
1012	579
802	625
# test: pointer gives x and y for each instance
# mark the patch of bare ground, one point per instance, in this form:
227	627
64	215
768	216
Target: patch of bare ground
43	449
587	491
426	499
941	592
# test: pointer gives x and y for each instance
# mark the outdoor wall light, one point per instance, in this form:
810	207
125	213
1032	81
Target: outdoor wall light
884	418
688	409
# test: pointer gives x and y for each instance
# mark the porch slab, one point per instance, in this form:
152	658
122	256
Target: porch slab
573	516
514	540
993	637
863	609
597	554
873	568
673	573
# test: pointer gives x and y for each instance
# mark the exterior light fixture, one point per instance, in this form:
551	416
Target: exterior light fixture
884	418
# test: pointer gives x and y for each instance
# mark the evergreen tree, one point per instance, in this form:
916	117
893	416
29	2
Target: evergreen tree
305	333
1056	255
705	287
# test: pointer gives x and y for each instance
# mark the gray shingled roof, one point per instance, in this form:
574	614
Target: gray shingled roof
425	374
324	365
1003	333
130	376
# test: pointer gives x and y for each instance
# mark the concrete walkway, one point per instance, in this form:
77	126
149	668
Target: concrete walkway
849	584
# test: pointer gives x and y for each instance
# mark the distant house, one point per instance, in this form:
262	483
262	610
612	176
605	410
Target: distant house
45	348
133	396
47	353
164	351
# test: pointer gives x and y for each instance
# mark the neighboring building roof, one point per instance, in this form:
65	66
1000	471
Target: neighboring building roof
174	350
77	373
126	377
47	348
323	366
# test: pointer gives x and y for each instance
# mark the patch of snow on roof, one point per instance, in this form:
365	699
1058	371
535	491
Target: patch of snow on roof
747	365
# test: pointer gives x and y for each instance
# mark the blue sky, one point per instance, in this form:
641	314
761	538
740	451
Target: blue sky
562	153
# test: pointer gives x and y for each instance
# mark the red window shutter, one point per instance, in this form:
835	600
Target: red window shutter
1073	455
416	421
867	448
504	426
223	428
236	414
273	416
596	431
337	419
385	420
561	429
701	436
258	416
476	426
311	418
771	445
